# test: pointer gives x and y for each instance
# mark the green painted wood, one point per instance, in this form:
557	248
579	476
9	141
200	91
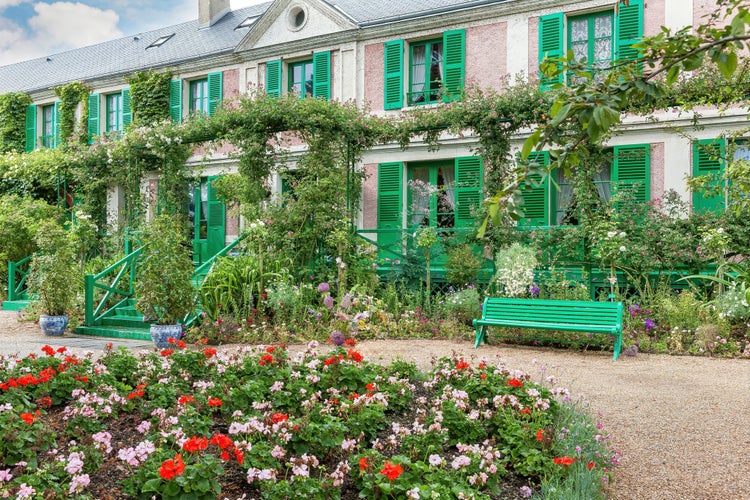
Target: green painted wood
215	91
551	29
15	305
628	29
393	88
30	128
322	75
127	109
115	332
631	170
273	78
468	190
708	160
535	193
559	315
454	59
390	208
175	100
93	120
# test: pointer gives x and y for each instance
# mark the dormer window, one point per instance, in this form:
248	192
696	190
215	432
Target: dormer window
160	41
249	21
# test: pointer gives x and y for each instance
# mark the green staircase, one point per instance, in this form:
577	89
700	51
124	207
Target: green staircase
17	274
122	322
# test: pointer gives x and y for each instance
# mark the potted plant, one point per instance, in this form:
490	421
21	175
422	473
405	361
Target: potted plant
163	289
52	277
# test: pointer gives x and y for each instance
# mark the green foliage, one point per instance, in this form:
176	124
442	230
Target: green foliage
149	96
71	94
19	220
13	121
463	265
163	287
463	305
52	274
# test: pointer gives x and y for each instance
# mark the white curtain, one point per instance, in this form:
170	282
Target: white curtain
602	181
418	62
449	184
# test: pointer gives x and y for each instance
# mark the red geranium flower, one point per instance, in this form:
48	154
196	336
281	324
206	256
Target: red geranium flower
171	468
185	400
350	342
265	359
270	349
330	361
539	435
363	463
166	352
391	471
514	382
195	444
48	350
355	355
215	402
564	460
222	441
279	417
591	465
209	352
181	344
29	417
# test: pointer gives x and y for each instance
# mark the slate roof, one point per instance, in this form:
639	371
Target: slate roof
129	54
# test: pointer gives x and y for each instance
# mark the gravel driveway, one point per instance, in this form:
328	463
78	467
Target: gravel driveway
682	424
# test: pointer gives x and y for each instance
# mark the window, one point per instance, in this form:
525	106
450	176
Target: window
301	79
199	96
599	37
249	21
436	70
311	78
48	126
203	95
426	63
114	112
117	114
544	204
590	37
160	41
440	194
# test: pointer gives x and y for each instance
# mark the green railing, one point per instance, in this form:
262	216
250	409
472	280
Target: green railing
117	282
17	274
200	273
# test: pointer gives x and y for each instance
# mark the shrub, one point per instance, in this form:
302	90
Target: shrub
463	265
514	270
463	305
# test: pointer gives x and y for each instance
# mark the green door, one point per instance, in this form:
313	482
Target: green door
209	221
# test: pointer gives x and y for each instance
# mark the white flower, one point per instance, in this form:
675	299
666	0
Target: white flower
623	234
622	248
720	230
413	493
611	234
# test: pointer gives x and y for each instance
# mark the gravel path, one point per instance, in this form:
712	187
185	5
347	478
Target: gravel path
681	423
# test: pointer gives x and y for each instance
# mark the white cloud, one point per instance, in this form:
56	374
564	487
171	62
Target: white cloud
11	3
73	24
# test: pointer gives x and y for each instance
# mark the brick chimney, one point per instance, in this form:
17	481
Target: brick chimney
210	11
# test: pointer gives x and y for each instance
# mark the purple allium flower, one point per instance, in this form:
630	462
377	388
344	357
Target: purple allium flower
525	492
534	290
328	302
649	324
337	338
324	287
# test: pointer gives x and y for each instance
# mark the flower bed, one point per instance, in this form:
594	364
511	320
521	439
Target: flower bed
189	421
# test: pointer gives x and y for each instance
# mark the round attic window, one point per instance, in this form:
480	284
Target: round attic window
297	18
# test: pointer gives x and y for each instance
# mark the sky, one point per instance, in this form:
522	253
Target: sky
30	29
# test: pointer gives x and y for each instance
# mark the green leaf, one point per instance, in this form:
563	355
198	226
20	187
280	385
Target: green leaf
151	485
727	64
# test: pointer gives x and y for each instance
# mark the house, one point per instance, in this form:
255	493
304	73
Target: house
414	53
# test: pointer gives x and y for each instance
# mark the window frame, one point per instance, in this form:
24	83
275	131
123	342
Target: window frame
433	95
590	18
304	65
198	96
48	139
117	112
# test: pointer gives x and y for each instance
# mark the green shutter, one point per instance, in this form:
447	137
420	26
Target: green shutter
215	91
454	56
468	189
322	75
631	170
390	209
551	43
175	100
708	159
215	222
628	29
127	111
273	78
393	88
56	116
93	125
535	193
30	128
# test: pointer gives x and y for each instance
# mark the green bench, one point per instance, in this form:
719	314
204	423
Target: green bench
567	315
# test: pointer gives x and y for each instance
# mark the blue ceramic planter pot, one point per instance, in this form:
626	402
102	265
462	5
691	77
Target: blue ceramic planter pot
53	325
160	334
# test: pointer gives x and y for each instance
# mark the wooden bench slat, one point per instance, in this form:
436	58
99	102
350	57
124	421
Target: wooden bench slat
545	314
